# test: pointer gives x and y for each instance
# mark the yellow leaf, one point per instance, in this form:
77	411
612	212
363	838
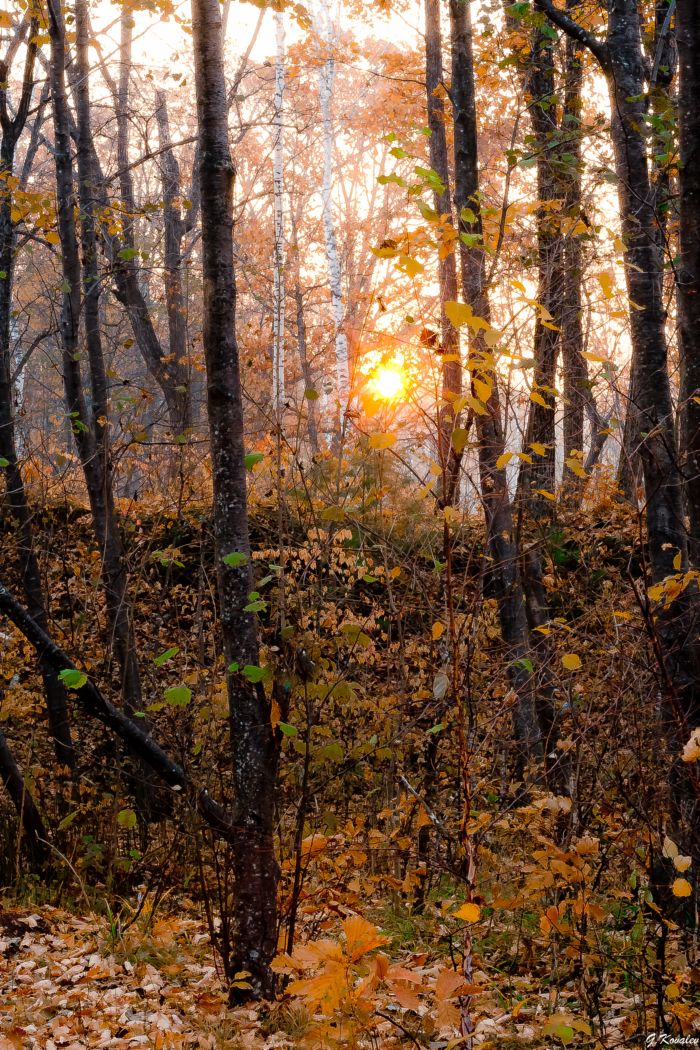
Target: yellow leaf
691	751
546	494
382	440
681	888
606	282
5	19
457	313
483	388
504	460
678	562
590	356
538	399
438	630
52	237
410	266
469	912
571	662
575	466
682	863
538	448
361	937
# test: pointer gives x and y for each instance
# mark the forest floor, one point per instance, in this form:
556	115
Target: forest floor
69	982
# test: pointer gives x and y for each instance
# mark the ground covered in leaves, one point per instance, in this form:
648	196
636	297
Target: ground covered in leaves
69	982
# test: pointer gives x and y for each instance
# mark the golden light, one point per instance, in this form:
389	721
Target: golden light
388	381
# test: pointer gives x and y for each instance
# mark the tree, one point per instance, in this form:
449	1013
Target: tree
449	348
253	742
503	566
12	126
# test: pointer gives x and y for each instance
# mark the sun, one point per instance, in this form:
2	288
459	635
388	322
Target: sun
388	381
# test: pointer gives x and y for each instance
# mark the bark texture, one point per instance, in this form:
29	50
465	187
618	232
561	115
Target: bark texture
502	550
254	747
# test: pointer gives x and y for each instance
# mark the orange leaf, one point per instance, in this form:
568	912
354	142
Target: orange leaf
361	937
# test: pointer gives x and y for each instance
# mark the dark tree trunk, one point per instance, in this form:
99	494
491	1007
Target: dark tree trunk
577	392
449	347
57	709
688	290
675	625
622	62
168	369
540	472
503	567
254	747
174	229
90	429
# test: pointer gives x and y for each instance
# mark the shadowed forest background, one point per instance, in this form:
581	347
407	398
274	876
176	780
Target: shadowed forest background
350	520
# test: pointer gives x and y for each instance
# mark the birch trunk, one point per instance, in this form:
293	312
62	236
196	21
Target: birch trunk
326	37
12	127
278	298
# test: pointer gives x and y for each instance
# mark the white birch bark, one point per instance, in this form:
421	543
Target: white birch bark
278	392
325	32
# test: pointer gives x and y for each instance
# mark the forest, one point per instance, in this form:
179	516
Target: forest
349	524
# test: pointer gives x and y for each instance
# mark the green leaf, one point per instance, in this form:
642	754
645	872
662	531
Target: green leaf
67	821
126	818
73	679
310	394
435	729
167	655
4	462
232	668
355	635
235	558
563	1032
128	253
178	695
460	439
284	727
254	673
252	458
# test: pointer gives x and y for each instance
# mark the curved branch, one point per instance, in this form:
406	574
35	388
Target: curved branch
559	18
91	700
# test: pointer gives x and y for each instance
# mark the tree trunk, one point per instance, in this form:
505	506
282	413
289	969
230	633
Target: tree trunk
688	290
90	429
675	625
326	76
576	391
449	348
503	568
540	472
306	373
174	229
167	369
254	747
56	704
278	298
